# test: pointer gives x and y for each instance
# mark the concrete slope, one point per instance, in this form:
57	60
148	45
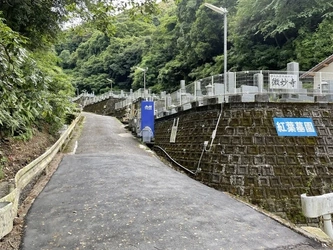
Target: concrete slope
115	194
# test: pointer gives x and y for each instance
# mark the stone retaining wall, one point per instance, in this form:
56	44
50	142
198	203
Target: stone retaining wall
248	159
105	107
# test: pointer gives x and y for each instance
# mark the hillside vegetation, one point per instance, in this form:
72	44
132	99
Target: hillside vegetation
35	92
185	41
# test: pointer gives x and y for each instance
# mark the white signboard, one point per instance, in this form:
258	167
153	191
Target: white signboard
174	130
279	81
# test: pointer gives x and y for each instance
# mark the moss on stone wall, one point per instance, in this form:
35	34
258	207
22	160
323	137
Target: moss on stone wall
247	157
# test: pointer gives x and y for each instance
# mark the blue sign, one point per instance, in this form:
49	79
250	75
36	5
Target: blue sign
147	116
295	127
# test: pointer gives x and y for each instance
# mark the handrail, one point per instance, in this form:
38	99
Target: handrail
10	202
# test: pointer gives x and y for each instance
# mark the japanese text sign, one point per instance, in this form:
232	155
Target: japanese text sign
294	127
279	81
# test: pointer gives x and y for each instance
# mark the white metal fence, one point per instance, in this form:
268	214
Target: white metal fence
271	86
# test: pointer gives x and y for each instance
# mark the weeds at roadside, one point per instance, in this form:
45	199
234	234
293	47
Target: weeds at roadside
3	160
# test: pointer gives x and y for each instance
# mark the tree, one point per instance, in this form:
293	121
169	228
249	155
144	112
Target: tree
31	92
41	21
99	57
159	50
272	26
185	42
31	19
313	47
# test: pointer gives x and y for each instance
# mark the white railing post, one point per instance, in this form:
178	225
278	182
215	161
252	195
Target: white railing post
317	206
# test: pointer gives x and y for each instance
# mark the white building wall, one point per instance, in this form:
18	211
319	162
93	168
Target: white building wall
323	75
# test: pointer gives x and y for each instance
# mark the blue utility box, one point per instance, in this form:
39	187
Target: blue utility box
147	120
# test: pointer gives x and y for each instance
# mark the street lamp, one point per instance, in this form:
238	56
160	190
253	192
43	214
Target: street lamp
144	77
224	12
111	84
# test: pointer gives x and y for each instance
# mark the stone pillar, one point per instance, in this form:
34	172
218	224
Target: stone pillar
258	80
231	85
293	69
198	89
131	94
182	86
168	100
209	89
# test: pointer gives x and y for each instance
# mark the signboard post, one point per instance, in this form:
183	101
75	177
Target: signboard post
147	120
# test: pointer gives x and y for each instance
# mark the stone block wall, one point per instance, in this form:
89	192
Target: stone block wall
247	158
105	107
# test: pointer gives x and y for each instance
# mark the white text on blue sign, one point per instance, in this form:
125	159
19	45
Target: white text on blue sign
295	127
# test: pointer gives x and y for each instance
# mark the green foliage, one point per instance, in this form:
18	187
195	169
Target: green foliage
3	160
97	57
58	90
34	90
271	28
101	14
184	41
313	47
36	20
160	51
32	93
41	21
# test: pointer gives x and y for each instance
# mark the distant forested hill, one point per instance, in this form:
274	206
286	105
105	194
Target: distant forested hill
185	41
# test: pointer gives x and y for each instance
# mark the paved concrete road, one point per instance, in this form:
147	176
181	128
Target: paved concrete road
114	194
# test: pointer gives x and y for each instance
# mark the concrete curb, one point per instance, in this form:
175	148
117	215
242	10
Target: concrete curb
10	202
313	233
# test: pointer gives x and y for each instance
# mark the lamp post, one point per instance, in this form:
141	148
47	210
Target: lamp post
111	84
224	12
144	70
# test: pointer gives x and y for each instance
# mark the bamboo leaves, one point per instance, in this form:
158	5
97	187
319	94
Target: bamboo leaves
24	88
